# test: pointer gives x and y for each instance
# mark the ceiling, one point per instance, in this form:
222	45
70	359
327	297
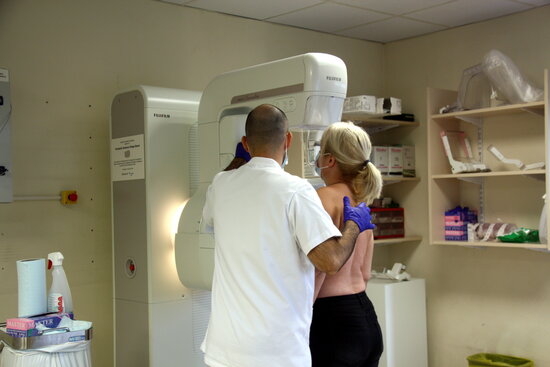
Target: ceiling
372	20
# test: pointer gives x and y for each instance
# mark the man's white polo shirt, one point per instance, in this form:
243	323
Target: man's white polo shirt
265	222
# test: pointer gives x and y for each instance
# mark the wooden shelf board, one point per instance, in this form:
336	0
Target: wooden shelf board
534	172
539	246
390	241
365	120
399	178
493	111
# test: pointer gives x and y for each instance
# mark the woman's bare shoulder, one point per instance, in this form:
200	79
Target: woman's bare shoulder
329	192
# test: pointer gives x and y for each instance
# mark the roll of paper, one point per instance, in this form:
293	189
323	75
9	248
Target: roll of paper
31	284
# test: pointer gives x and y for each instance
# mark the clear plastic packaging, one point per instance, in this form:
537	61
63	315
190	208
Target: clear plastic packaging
490	231
507	80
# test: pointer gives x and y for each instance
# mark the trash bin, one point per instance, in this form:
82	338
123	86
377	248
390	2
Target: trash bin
496	360
67	349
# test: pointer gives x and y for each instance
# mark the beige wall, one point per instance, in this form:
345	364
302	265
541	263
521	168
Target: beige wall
493	300
67	59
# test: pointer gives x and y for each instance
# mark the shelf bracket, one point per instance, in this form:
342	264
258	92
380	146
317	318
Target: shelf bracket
478	121
377	129
534	110
474	180
540	177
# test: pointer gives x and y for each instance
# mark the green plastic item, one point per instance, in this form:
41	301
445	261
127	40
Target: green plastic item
521	235
497	360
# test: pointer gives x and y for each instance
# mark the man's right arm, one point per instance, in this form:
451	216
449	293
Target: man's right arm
331	255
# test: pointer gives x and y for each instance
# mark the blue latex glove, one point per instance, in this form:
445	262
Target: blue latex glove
359	214
240	152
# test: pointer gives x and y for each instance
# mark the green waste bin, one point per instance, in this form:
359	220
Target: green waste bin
497	360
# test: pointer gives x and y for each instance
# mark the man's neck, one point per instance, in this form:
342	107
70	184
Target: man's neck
276	157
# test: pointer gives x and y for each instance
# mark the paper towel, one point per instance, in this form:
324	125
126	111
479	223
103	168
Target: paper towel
31	284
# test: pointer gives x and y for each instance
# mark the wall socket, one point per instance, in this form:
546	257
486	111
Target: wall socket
6	184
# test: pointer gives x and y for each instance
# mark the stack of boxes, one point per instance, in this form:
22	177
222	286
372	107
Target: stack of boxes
372	105
390	222
27	327
456	223
395	160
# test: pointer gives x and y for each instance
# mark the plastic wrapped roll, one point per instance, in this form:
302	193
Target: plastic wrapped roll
31	284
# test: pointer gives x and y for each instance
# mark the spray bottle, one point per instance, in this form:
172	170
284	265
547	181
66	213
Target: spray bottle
59	296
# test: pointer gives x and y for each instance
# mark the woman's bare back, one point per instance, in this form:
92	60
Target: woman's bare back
356	271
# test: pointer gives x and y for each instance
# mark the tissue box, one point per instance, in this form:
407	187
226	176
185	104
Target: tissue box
388	105
22	333
20	324
363	103
456	223
50	320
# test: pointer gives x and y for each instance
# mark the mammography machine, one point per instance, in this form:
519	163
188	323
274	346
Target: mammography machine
309	88
162	162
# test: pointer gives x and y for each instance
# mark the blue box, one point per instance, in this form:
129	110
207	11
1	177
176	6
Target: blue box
22	333
50	320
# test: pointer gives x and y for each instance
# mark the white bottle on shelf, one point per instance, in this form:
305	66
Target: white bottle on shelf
59	296
543	230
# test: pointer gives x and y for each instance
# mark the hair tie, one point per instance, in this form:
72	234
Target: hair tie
366	163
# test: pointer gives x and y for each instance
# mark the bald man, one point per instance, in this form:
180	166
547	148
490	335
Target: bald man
271	232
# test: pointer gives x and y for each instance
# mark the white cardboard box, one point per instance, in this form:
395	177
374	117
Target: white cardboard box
363	103
409	167
380	158
396	161
390	105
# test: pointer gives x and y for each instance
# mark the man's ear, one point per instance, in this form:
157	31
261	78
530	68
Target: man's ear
245	144
288	139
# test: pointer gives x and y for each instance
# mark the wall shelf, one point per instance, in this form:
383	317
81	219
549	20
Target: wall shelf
519	131
535	107
535	172
534	246
391	241
374	124
393	179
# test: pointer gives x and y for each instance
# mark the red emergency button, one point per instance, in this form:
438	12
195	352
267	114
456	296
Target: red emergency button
130	268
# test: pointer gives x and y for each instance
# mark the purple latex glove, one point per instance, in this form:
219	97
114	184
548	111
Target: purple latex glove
240	152
359	214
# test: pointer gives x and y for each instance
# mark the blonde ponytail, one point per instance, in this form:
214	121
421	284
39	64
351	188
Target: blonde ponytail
351	147
367	184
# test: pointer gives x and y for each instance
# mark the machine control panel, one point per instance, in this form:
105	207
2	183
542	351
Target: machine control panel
287	104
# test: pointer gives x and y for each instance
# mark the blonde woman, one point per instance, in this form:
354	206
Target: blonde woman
345	329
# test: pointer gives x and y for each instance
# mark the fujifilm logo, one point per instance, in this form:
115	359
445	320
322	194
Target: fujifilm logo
166	116
334	78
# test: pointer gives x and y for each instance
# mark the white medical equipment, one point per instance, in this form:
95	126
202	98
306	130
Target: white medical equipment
455	142
309	88
397	272
154	312
515	162
157	148
401	312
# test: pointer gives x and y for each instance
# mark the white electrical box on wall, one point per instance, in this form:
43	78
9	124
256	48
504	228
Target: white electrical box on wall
6	186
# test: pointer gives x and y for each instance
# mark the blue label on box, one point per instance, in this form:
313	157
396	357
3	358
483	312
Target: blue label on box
77	338
22	333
